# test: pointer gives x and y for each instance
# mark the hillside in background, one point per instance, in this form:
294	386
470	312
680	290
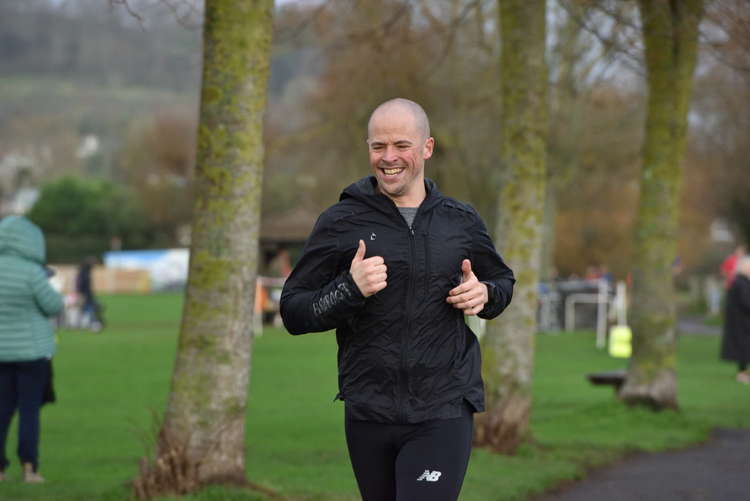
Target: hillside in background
85	85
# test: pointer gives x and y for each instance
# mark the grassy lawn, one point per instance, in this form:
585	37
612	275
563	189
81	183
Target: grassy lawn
110	386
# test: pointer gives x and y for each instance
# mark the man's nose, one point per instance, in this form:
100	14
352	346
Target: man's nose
390	153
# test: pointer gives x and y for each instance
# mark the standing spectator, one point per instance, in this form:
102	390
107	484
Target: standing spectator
730	263
26	340
90	317
735	344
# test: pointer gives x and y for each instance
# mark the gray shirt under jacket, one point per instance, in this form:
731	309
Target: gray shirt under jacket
408	213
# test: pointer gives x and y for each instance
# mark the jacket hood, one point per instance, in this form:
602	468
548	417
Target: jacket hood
366	191
20	237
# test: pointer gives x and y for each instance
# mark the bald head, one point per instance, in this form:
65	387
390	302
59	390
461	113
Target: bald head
399	106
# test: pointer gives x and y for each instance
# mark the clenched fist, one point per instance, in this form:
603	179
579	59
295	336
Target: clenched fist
471	295
369	274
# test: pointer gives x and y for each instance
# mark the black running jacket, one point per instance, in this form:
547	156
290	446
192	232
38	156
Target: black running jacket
405	355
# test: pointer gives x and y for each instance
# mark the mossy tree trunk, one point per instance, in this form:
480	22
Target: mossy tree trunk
508	345
670	35
202	437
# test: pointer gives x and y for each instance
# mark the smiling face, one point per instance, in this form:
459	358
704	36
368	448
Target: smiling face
398	149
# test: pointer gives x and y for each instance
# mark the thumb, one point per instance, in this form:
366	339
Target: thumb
360	254
466	269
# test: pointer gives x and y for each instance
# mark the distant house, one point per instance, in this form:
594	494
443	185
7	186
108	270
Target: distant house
24	168
17	193
287	231
290	228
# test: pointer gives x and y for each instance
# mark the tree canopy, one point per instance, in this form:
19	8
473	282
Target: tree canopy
80	217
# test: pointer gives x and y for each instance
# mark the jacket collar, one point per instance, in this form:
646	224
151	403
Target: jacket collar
366	191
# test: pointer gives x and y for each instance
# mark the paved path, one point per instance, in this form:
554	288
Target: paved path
695	325
716	471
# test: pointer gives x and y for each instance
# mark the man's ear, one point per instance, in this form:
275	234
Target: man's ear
429	146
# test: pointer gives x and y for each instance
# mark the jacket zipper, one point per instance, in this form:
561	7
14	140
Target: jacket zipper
428	264
403	379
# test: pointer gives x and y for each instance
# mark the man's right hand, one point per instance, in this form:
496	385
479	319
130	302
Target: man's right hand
369	274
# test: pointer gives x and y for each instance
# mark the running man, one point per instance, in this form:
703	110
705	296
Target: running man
394	266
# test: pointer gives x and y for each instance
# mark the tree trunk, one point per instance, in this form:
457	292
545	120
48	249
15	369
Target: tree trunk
670	34
202	438
508	345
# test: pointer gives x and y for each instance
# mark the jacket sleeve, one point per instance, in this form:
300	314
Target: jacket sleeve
490	268
318	295
48	300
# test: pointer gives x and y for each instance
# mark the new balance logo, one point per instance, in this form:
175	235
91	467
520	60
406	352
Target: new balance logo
430	476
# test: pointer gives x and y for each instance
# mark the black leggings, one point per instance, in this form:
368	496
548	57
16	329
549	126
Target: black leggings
410	462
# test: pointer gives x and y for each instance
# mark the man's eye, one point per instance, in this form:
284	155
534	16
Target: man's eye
403	146
376	147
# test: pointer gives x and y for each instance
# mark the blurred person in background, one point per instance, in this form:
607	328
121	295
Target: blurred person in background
27	301
90	308
735	345
729	265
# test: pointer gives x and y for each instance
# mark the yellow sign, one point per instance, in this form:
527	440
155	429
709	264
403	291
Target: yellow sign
620	337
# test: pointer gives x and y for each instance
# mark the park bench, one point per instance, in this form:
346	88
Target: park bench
609	378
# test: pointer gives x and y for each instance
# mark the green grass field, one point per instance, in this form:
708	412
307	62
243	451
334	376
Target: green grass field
111	385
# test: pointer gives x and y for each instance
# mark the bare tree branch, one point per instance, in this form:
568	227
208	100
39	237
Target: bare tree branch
126	5
177	8
451	30
630	48
727	28
184	19
296	32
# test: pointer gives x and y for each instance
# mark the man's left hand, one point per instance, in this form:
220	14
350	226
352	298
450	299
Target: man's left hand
471	295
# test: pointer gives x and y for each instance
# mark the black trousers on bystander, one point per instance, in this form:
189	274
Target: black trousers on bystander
22	388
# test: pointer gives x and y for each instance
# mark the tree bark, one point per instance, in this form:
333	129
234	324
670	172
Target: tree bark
202	438
670	35
508	345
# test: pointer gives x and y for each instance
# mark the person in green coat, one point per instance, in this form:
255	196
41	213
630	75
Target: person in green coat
27	342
